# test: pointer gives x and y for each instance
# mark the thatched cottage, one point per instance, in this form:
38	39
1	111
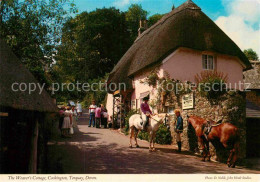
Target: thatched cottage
184	43
23	123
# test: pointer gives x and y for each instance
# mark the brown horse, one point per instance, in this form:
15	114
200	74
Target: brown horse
225	133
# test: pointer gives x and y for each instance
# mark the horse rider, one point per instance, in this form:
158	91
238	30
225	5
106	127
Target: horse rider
178	128
146	110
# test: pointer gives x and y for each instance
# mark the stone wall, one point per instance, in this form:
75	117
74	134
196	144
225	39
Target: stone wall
252	76
230	108
254	96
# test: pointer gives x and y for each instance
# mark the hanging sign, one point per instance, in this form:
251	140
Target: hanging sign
188	101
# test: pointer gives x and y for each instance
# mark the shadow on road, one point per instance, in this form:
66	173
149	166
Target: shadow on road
93	152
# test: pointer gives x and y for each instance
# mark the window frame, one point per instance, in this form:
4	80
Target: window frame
207	64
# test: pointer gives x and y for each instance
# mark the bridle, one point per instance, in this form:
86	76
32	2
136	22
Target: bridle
165	119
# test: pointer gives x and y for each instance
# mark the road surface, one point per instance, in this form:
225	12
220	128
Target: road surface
106	151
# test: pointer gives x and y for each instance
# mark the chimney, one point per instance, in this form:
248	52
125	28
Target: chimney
142	26
173	7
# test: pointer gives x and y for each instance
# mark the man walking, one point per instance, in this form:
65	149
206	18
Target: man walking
92	109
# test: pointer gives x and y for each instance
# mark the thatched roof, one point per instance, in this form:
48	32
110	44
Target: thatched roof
11	71
186	26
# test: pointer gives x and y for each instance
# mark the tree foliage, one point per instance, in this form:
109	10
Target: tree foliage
32	29
153	19
134	14
58	48
91	44
251	54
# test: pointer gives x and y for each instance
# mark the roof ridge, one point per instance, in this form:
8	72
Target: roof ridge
177	10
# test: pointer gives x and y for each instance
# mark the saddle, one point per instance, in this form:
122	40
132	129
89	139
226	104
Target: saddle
208	126
144	122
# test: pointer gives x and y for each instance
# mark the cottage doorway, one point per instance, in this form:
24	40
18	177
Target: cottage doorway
252	137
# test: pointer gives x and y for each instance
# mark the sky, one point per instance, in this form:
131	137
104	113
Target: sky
239	19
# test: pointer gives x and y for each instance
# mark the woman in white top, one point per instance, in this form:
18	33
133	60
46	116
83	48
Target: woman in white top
79	108
74	116
67	122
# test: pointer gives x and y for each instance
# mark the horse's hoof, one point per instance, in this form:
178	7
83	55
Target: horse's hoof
153	149
233	166
208	160
203	160
228	164
130	146
137	146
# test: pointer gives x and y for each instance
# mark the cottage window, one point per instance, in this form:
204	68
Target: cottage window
133	104
170	110
207	62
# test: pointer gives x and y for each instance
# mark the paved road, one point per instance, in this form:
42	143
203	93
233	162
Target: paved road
105	151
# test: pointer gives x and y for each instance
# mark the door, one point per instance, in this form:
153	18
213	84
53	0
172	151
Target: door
253	137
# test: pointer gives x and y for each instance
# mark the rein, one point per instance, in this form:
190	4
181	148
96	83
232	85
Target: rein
157	120
154	119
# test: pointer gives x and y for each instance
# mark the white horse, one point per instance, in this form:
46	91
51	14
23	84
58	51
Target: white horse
137	123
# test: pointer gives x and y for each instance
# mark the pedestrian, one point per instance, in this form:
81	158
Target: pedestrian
178	128
74	116
61	113
110	124
104	116
67	122
146	110
92	109
98	116
79	108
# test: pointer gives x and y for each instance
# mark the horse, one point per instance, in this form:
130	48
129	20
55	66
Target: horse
137	123
227	134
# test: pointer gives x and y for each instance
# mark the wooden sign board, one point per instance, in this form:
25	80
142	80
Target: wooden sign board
188	101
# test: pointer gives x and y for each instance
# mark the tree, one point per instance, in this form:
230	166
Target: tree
134	14
91	44
32	29
251	54
153	19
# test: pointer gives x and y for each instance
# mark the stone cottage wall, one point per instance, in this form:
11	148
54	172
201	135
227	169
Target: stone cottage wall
252	76
230	108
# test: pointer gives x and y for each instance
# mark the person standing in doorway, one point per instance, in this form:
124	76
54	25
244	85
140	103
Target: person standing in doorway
178	128
92	109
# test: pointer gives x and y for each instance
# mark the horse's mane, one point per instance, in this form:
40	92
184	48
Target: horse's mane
198	119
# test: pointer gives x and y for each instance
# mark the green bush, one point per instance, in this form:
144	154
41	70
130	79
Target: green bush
163	135
143	135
